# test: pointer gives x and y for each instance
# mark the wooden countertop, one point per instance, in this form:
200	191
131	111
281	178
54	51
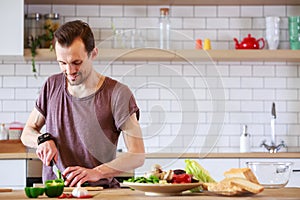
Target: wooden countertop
180	155
127	194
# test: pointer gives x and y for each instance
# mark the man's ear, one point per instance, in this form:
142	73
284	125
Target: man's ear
94	53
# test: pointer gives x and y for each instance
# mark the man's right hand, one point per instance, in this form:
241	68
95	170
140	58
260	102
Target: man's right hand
46	152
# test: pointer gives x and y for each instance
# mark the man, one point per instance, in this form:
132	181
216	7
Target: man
84	113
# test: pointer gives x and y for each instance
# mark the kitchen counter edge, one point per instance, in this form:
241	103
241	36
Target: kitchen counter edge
181	155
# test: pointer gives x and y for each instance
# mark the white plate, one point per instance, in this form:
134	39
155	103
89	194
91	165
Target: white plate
162	189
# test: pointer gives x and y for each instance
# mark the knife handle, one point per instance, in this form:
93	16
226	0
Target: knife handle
52	162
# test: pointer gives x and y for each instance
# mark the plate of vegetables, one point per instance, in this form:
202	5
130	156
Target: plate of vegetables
164	183
161	189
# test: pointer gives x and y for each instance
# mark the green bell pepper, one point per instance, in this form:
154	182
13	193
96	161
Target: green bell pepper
54	188
33	192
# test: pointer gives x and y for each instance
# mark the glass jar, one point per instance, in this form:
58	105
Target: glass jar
52	22
164	29
294	32
33	28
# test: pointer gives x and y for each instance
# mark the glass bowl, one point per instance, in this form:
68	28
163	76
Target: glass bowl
271	174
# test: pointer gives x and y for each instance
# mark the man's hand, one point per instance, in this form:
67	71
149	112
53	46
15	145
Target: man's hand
76	176
47	151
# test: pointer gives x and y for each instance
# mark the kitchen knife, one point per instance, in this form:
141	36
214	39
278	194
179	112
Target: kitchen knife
55	170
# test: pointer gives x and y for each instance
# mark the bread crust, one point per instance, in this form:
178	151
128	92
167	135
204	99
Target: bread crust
245	173
247	185
237	181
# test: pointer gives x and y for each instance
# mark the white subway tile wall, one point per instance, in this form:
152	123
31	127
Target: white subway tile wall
185	106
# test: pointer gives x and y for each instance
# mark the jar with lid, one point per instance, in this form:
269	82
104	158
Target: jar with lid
33	28
164	29
52	22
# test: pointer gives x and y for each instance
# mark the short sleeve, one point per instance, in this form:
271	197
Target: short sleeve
123	104
41	102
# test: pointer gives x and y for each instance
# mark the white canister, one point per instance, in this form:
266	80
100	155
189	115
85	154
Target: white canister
15	131
245	140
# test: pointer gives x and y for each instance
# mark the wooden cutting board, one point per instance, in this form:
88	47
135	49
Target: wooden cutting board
70	189
5	190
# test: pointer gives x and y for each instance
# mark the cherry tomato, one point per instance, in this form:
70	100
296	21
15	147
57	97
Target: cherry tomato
182	178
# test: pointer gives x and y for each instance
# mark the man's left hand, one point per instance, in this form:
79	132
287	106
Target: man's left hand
76	176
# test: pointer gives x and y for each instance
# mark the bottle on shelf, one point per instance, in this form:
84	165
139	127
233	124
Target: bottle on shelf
164	29
245	140
3	132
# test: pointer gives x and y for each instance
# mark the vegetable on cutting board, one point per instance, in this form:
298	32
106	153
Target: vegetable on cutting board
33	192
54	188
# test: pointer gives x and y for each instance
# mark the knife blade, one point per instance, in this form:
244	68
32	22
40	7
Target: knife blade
55	170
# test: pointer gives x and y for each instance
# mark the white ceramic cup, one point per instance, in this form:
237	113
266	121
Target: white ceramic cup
272	32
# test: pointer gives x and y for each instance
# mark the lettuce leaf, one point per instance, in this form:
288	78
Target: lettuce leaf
194	168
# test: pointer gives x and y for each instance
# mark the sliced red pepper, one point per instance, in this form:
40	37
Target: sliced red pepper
65	196
182	178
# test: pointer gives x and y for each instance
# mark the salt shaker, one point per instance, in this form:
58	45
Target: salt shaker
245	140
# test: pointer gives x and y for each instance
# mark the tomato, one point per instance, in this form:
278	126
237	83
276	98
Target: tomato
182	178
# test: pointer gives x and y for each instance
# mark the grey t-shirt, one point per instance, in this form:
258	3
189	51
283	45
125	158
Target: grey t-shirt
86	130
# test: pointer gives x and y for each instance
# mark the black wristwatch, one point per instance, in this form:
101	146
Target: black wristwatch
44	137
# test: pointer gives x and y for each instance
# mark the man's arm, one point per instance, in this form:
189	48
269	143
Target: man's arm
45	151
133	158
135	155
32	129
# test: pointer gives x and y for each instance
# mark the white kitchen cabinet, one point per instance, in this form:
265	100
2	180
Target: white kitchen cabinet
295	174
12	27
13	173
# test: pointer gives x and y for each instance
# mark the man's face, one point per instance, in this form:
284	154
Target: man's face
74	62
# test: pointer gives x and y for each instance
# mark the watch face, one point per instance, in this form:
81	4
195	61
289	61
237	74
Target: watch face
44	137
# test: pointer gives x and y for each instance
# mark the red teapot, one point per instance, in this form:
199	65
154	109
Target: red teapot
250	43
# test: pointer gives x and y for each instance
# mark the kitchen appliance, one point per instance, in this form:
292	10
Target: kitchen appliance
33	172
249	43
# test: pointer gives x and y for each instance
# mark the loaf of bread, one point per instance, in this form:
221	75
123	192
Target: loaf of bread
237	181
224	187
245	173
247	185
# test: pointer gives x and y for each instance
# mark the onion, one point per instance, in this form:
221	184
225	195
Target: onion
79	192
